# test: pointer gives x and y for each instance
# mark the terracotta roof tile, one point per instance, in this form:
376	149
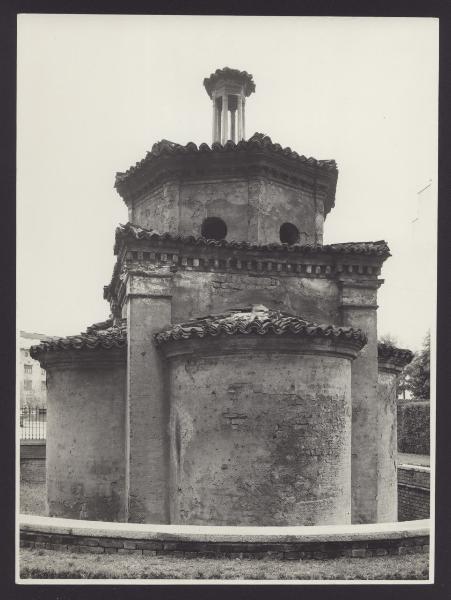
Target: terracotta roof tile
258	141
98	336
228	73
133	232
259	320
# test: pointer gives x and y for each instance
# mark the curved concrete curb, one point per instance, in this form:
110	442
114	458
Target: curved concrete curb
253	542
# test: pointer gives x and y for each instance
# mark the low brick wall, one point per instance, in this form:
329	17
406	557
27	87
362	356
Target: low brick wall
413	492
290	543
32	461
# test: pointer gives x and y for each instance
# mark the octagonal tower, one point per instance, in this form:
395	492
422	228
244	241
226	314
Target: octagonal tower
212	229
253	190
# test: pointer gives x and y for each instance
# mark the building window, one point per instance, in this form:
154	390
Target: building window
43	386
27	384
28	369
43	372
214	228
26	353
289	234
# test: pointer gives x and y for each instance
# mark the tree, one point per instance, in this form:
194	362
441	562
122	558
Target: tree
388	339
416	376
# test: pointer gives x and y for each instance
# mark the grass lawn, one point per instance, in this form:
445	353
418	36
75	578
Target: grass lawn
52	564
32	499
422	460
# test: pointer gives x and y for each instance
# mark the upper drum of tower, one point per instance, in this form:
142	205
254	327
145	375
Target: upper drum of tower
244	190
226	75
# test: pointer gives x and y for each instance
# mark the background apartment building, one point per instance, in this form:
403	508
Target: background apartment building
31	377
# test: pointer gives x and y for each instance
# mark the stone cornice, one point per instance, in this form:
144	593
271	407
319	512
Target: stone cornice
346	284
351	306
242	77
148	253
258	156
100	358
391	358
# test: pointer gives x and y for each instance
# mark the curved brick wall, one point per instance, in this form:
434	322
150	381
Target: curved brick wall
357	541
86	434
391	361
260	432
387	451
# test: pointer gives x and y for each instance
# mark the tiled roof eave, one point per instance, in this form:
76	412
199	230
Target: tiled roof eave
389	354
181	334
257	143
263	323
130	232
101	336
243	77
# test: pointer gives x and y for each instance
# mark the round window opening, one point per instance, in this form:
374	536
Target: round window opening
289	234
214	228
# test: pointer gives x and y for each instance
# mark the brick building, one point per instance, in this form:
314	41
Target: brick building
236	382
31	377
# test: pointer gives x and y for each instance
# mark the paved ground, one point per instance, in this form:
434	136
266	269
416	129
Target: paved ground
422	460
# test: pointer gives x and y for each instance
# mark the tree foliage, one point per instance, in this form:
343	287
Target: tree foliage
389	339
415	378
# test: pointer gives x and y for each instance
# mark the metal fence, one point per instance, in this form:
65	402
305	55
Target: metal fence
33	423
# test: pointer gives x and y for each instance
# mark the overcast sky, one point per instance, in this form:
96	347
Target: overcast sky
95	92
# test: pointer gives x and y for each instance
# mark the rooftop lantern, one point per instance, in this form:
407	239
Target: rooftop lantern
228	89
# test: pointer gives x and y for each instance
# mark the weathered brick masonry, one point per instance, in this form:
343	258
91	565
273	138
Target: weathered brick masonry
32	461
413	492
260	419
391	361
299	544
85	425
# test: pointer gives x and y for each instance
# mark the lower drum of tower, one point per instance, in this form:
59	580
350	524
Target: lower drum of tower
260	438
